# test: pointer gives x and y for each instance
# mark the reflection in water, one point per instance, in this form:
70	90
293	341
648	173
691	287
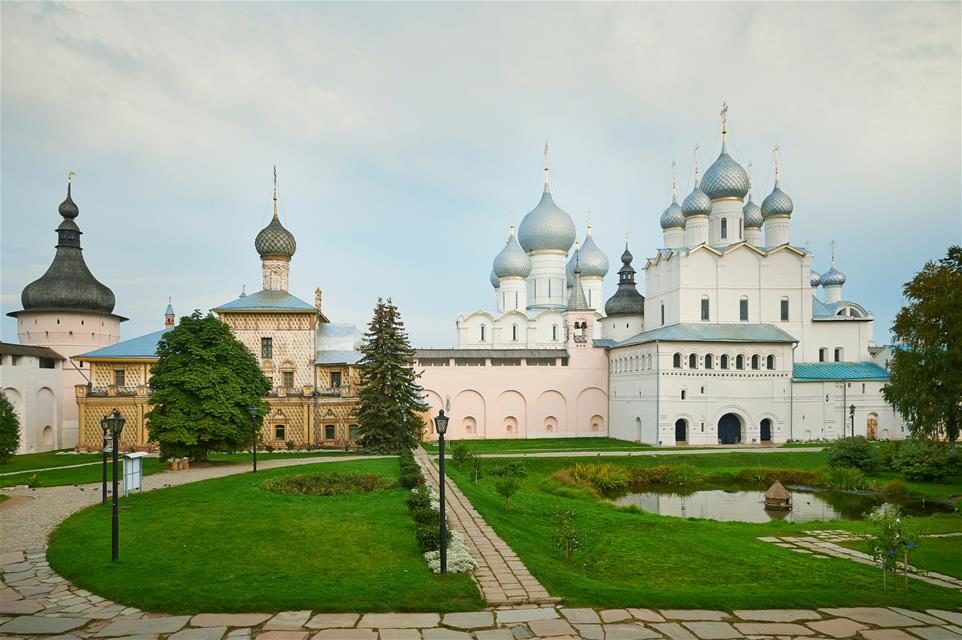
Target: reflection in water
749	506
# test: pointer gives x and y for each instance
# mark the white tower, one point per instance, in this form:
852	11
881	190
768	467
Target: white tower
832	281
276	246
752	215
695	208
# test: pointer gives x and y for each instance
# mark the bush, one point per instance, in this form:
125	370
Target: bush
429	536
669	475
411	479
887	451
514	469
764	475
420	498
426	516
844	479
9	428
601	476
459	453
925	459
333	484
894	488
567	538
853	453
507	486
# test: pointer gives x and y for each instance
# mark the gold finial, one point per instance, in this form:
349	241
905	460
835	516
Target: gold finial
510	230
589	222
547	168
275	190
674	181
627	232
70	175
724	116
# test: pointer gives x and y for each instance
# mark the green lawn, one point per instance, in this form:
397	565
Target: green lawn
540	444
45	460
633	559
226	545
942	555
76	475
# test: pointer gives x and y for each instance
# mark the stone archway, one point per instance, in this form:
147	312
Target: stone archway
729	429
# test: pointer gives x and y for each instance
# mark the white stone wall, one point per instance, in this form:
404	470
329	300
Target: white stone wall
37	396
547	280
821	411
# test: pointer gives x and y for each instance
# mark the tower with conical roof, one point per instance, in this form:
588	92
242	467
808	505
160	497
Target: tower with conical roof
68	310
594	268
625	310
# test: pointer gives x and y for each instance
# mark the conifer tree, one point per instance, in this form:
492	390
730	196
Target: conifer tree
9	428
203	383
390	398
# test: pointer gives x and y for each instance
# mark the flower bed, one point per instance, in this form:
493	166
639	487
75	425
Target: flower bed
327	484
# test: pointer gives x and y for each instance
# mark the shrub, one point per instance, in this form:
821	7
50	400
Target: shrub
854	453
514	469
429	536
669	475
459	453
843	479
475	465
765	475
507	486
291	445
567	538
921	459
420	498
9	428
333	484
894	488
459	560
887	451
410	479
426	516
602	476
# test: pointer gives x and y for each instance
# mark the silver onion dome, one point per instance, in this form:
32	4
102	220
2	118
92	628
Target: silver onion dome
275	240
696	204
494	280
512	262
547	227
725	178
673	215
815	279
593	261
777	203
752	214
832	277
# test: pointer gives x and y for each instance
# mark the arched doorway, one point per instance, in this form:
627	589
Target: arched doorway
871	426
681	430
765	434
729	429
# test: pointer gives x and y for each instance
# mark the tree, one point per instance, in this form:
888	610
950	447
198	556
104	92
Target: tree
389	397
926	365
507	486
9	428
203	384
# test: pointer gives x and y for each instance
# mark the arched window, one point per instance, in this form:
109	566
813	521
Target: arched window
554	332
709	361
724	228
740	362
482	333
784	309
649	363
770	362
755	360
693	361
676	361
514	332
724	361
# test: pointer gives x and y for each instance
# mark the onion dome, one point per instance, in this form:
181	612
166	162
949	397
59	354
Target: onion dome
697	203
275	241
626	300
68	284
777	203
752	214
815	279
494	280
547	227
593	261
832	277
672	216
725	178
512	262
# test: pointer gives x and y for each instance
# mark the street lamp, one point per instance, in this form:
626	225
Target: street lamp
105	427
851	413
115	423
253	411
441	424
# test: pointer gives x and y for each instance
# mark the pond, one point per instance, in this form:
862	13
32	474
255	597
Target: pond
749	506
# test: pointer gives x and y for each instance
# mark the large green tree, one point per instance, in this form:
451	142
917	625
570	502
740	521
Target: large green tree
203	383
9	428
389	397
926	366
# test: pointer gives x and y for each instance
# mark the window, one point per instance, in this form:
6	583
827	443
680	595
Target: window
47	363
740	228
743	309
482	333
554	331
863	387
14	361
740	362
770	362
683	394
755	362
329	432
676	361
119	377
705	308
724	228
838	354
514	332
267	348
784	309
288	377
335	379
279	432
724	361
352	432
709	361
662	313
822	354
693	361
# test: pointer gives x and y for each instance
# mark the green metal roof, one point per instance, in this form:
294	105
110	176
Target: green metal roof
266	300
710	332
818	371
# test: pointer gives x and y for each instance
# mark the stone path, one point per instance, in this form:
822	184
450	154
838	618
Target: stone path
825	543
501	576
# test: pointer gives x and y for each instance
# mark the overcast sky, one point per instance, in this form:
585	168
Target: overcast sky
408	136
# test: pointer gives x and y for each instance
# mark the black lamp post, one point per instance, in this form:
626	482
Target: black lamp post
253	411
115	423
851	413
105	427
441	423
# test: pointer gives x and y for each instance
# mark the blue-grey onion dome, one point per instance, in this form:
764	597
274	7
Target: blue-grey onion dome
832	276
592	260
547	227
68	208
275	240
673	215
815	279
752	214
494	280
777	203
512	262
696	204
725	178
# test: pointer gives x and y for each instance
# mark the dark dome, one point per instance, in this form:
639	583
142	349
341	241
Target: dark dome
275	240
626	300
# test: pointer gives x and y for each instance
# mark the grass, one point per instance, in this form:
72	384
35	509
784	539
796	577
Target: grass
941	555
541	444
4	497
632	558
76	475
45	460
226	545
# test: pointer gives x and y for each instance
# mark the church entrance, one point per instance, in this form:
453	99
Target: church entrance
871	426
766	430
729	429
681	431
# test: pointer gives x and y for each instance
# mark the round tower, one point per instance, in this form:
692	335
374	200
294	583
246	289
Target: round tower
832	281
625	310
695	208
673	219
777	210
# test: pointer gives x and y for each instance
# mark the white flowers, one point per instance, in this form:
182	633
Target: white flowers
459	560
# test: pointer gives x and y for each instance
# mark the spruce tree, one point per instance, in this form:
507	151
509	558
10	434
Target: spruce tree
390	398
9	428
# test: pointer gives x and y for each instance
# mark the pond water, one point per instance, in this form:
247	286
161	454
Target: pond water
749	506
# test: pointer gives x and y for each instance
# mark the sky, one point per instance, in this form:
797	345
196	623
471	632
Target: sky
407	137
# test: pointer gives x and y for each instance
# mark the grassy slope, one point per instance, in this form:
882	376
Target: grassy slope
638	559
943	555
225	545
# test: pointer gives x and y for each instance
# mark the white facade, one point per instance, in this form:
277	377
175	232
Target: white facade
32	380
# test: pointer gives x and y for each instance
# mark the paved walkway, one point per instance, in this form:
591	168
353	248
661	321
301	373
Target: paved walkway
501	575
